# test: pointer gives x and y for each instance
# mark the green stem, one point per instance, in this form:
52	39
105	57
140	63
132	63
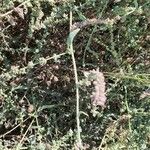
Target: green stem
79	141
93	31
128	110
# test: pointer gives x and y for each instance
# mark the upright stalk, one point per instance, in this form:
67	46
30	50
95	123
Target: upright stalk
79	142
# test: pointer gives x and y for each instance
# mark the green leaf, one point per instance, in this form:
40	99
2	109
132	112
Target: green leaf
71	36
81	16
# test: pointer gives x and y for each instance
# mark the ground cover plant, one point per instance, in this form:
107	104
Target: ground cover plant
75	74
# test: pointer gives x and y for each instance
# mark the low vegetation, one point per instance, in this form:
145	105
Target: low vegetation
75	74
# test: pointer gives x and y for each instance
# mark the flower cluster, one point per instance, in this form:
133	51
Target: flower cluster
98	97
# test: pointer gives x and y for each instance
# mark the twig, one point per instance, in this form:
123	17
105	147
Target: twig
9	12
93	31
13	128
18	147
128	109
100	146
94	21
87	22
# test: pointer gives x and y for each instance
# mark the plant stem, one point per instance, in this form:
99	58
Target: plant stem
20	143
79	142
91	35
9	12
128	109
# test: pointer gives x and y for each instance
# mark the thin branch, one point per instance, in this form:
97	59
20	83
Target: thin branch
18	147
9	12
94	21
13	128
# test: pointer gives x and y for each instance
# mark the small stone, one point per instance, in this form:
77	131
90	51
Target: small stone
55	79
